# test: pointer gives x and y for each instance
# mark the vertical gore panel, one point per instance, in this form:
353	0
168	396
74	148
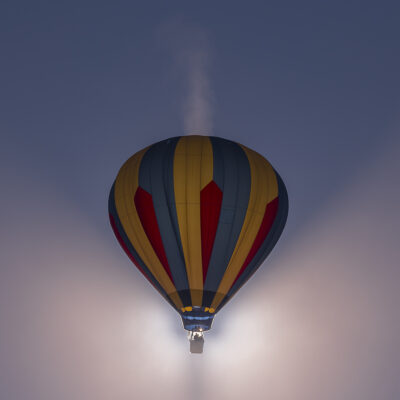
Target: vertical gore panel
147	215
264	188
268	244
126	185
232	175
266	224
193	169
156	177
128	248
211	199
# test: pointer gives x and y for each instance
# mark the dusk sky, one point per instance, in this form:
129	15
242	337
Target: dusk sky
313	86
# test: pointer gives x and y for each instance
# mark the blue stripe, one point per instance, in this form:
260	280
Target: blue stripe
232	175
156	177
268	244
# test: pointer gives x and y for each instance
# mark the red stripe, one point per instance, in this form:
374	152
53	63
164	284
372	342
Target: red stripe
271	210
145	208
210	208
123	245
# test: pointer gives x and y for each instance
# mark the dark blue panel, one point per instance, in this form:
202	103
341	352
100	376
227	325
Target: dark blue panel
268	244
156	177
232	174
218	164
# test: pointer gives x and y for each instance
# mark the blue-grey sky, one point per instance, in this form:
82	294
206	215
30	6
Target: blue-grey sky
313	86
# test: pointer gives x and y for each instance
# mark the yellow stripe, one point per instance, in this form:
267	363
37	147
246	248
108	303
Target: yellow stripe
264	188
126	185
193	169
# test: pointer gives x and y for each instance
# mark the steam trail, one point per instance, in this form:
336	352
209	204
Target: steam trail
191	53
197	106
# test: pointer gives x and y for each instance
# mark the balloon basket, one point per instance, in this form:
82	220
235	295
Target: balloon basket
196	340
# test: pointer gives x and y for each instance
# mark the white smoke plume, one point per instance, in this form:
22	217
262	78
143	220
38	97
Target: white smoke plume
190	50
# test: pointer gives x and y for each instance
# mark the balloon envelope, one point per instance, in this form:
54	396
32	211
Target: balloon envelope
197	215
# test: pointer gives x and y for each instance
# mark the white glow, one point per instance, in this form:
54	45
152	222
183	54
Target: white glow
319	322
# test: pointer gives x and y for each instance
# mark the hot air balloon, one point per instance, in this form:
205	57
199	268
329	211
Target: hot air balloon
197	215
